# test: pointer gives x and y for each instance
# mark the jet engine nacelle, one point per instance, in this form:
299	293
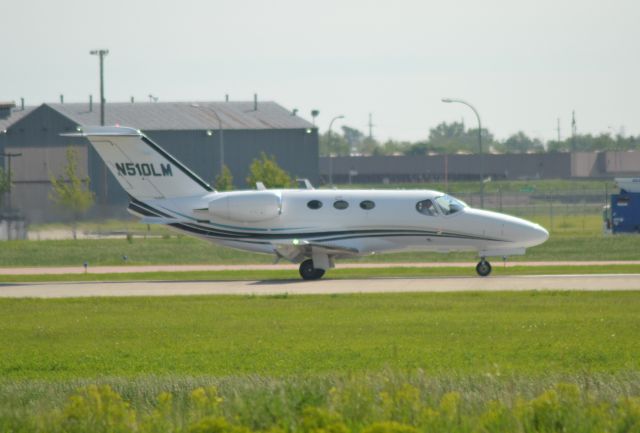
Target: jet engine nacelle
247	207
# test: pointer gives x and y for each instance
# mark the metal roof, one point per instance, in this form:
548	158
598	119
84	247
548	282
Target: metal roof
16	114
162	116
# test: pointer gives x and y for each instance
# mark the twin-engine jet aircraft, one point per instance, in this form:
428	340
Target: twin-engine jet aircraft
307	226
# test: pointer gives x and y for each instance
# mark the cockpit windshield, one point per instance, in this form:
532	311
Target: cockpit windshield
449	205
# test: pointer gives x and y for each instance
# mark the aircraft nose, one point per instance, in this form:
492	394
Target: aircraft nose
536	234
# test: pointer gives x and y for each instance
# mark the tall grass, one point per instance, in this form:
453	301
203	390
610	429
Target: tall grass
389	401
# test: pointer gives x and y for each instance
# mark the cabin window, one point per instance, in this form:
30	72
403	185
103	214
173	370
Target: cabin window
340	204
426	207
314	204
367	205
449	205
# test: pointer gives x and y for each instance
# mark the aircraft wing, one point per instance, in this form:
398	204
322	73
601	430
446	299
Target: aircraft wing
297	249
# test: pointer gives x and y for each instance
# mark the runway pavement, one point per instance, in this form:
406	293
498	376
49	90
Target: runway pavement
189	268
325	286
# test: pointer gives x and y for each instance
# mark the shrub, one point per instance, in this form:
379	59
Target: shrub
161	419
216	425
97	409
389	427
204	402
402	404
316	420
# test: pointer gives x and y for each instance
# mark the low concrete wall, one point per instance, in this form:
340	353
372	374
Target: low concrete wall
454	167
465	167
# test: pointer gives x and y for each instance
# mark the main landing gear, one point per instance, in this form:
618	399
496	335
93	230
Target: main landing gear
483	267
308	272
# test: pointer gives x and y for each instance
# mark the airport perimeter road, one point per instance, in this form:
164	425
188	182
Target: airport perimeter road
328	286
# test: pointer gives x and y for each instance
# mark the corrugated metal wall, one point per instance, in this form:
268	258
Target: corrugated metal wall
37	137
296	151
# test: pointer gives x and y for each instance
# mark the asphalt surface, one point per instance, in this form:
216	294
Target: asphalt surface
325	286
188	268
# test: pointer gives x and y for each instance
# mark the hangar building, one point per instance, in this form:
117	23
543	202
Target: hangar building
192	132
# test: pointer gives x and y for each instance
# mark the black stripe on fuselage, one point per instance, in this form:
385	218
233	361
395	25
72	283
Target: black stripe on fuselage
188	228
344	235
140	210
324	236
336	235
155	211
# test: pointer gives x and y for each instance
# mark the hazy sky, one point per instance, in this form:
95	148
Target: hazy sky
522	64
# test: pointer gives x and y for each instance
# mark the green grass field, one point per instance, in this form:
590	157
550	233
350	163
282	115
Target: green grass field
357	359
561	246
526	333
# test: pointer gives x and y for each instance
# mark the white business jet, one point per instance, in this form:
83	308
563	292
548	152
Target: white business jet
307	226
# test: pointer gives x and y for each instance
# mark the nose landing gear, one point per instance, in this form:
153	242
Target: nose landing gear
483	267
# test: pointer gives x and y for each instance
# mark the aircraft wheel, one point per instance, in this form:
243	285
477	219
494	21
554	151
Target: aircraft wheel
483	268
308	272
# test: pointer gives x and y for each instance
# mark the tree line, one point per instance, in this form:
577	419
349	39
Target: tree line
456	138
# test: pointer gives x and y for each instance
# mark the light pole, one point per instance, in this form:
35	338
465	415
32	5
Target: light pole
215	113
101	54
329	148
460	101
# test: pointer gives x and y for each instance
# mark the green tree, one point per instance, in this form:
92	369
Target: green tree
267	171
368	146
354	138
520	143
5	184
452	138
334	145
391	147
224	181
587	143
70	192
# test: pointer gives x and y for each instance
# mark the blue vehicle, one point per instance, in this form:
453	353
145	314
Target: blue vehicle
623	214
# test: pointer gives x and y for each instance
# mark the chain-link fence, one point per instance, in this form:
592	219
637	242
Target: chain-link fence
581	208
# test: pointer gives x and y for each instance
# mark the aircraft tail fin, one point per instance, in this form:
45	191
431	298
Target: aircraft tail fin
143	169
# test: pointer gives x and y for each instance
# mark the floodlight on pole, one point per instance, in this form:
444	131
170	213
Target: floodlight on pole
101	54
460	101
329	146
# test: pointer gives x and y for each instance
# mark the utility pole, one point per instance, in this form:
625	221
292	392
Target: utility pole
371	125
9	156
101	54
558	130
573	131
329	147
